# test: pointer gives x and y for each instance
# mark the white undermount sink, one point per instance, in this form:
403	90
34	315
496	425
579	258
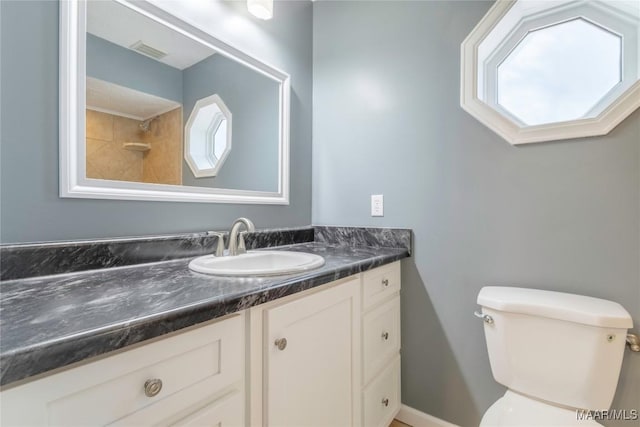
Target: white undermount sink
257	263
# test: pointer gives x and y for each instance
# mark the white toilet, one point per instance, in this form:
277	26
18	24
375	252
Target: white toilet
556	353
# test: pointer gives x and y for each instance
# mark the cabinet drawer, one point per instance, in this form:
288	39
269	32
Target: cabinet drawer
381	399
191	365
227	411
379	284
381	337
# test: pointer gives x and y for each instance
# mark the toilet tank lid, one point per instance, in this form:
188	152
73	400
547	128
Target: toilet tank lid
556	305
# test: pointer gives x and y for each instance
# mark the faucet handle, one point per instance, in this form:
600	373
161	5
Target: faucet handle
242	247
220	245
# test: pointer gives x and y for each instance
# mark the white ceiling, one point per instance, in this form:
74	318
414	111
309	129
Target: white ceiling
114	99
123	26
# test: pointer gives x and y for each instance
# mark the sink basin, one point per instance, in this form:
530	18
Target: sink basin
257	263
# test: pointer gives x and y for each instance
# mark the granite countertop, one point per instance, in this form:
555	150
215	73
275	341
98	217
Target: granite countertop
53	321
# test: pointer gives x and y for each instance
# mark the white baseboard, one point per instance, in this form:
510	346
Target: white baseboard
415	418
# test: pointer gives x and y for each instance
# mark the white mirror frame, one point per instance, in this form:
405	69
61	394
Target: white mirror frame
602	124
73	180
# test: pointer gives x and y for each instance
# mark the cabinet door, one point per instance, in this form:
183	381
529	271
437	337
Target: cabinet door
312	378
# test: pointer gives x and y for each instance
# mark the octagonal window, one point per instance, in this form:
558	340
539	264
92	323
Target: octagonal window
207	136
560	72
535	71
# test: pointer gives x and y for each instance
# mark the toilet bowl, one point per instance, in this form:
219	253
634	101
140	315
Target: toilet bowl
516	410
558	354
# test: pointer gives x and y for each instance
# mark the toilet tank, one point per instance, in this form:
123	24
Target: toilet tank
562	348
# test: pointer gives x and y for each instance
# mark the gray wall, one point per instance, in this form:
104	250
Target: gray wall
562	216
30	207
112	63
253	100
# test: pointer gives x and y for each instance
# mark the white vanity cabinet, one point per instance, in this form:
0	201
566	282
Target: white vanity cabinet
190	378
328	356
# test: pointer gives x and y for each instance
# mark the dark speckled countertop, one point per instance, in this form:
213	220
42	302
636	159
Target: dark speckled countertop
52	321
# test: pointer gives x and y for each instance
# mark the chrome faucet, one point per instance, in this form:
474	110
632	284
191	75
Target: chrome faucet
236	242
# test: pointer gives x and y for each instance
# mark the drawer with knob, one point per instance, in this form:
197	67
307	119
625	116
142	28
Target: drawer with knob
381	398
141	386
380	337
380	284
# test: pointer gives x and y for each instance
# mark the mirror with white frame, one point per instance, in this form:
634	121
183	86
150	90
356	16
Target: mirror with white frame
536	71
153	108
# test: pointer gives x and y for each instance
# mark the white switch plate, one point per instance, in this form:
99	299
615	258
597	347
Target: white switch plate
377	205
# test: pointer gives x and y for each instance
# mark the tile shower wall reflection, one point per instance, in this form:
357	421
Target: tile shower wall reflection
162	164
107	157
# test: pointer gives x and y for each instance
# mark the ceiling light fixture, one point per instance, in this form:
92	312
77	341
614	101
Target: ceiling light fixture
262	9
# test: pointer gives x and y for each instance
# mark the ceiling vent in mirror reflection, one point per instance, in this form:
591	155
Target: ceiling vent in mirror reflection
145	49
551	70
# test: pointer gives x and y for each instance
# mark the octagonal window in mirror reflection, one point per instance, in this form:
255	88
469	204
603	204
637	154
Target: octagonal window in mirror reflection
208	136
560	72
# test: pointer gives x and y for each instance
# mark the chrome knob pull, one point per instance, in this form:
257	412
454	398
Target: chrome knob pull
281	343
385	402
385	336
385	282
152	387
487	319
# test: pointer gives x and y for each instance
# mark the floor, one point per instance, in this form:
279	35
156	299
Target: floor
396	423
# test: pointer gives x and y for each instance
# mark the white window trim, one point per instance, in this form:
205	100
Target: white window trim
215	163
626	103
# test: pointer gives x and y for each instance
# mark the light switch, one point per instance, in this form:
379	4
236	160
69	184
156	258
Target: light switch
377	205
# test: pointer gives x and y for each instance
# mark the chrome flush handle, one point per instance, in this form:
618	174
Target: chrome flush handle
487	319
633	341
